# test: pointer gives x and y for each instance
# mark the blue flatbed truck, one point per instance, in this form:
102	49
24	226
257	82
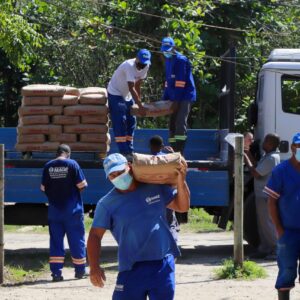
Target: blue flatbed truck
209	157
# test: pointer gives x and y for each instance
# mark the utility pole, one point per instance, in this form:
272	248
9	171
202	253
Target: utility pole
238	200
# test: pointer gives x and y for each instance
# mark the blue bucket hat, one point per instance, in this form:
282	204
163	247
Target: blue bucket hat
296	138
144	56
114	162
167	44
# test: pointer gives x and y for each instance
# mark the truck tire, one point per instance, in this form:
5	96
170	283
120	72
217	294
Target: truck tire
250	224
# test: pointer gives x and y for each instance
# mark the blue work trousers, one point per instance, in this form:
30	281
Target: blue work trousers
123	123
288	254
155	279
73	227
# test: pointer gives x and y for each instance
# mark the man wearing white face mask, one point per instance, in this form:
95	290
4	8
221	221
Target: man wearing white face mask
180	89
136	215
283	190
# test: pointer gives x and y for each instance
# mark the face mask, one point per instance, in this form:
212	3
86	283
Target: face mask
123	181
297	155
167	54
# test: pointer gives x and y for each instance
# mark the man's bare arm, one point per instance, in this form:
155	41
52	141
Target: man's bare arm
181	203
274	213
97	276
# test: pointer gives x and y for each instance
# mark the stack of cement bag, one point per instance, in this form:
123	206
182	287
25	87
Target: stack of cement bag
154	109
52	114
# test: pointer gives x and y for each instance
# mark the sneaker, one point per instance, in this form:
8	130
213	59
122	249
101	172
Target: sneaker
57	278
81	275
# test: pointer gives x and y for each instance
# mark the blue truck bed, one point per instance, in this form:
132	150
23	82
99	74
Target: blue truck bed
206	153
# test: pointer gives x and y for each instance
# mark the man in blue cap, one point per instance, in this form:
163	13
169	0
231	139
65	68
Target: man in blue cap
283	190
179	88
135	213
124	89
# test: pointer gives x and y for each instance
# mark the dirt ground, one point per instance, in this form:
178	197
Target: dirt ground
201	254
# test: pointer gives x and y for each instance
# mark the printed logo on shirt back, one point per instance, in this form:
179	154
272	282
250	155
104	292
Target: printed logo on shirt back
153	199
58	172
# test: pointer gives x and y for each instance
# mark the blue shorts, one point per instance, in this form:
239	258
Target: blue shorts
155	279
288	254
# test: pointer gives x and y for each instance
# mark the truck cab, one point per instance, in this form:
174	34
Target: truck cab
278	98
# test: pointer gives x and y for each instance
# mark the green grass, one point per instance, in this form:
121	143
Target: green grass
249	271
199	221
18	269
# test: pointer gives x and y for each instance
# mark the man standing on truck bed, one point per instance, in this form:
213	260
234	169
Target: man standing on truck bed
62	182
283	190
180	89
124	89
135	214
261	173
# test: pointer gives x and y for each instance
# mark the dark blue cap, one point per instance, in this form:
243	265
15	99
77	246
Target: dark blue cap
144	56
167	44
296	138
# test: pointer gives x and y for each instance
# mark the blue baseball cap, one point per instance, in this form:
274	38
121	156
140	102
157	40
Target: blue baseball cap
296	138
144	56
167	44
114	162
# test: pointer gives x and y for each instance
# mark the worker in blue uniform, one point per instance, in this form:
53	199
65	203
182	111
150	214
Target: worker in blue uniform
180	89
62	182
283	190
135	214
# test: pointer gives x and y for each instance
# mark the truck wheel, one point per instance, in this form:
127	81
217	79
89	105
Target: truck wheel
250	223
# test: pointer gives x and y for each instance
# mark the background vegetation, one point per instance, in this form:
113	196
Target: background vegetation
80	43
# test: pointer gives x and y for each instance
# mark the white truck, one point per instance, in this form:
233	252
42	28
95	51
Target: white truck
277	103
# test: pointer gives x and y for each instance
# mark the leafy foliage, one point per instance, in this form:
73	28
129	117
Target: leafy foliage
81	43
249	271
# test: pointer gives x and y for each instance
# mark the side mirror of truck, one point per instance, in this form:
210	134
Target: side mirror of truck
284	146
252	112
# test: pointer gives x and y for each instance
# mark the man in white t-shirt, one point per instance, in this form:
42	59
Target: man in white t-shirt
124	89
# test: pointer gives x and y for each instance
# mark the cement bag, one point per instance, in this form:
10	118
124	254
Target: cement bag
33	120
156	169
154	109
96	99
93	90
63	138
85	110
65	100
72	91
41	129
43	90
65	120
95	138
31	138
89	147
35	100
100	119
40	110
47	146
85	128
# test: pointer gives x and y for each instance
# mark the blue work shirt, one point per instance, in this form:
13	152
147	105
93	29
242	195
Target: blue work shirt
284	185
179	84
61	181
138	223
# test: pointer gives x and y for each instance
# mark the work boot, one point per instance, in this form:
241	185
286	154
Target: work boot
57	278
81	275
284	295
179	147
